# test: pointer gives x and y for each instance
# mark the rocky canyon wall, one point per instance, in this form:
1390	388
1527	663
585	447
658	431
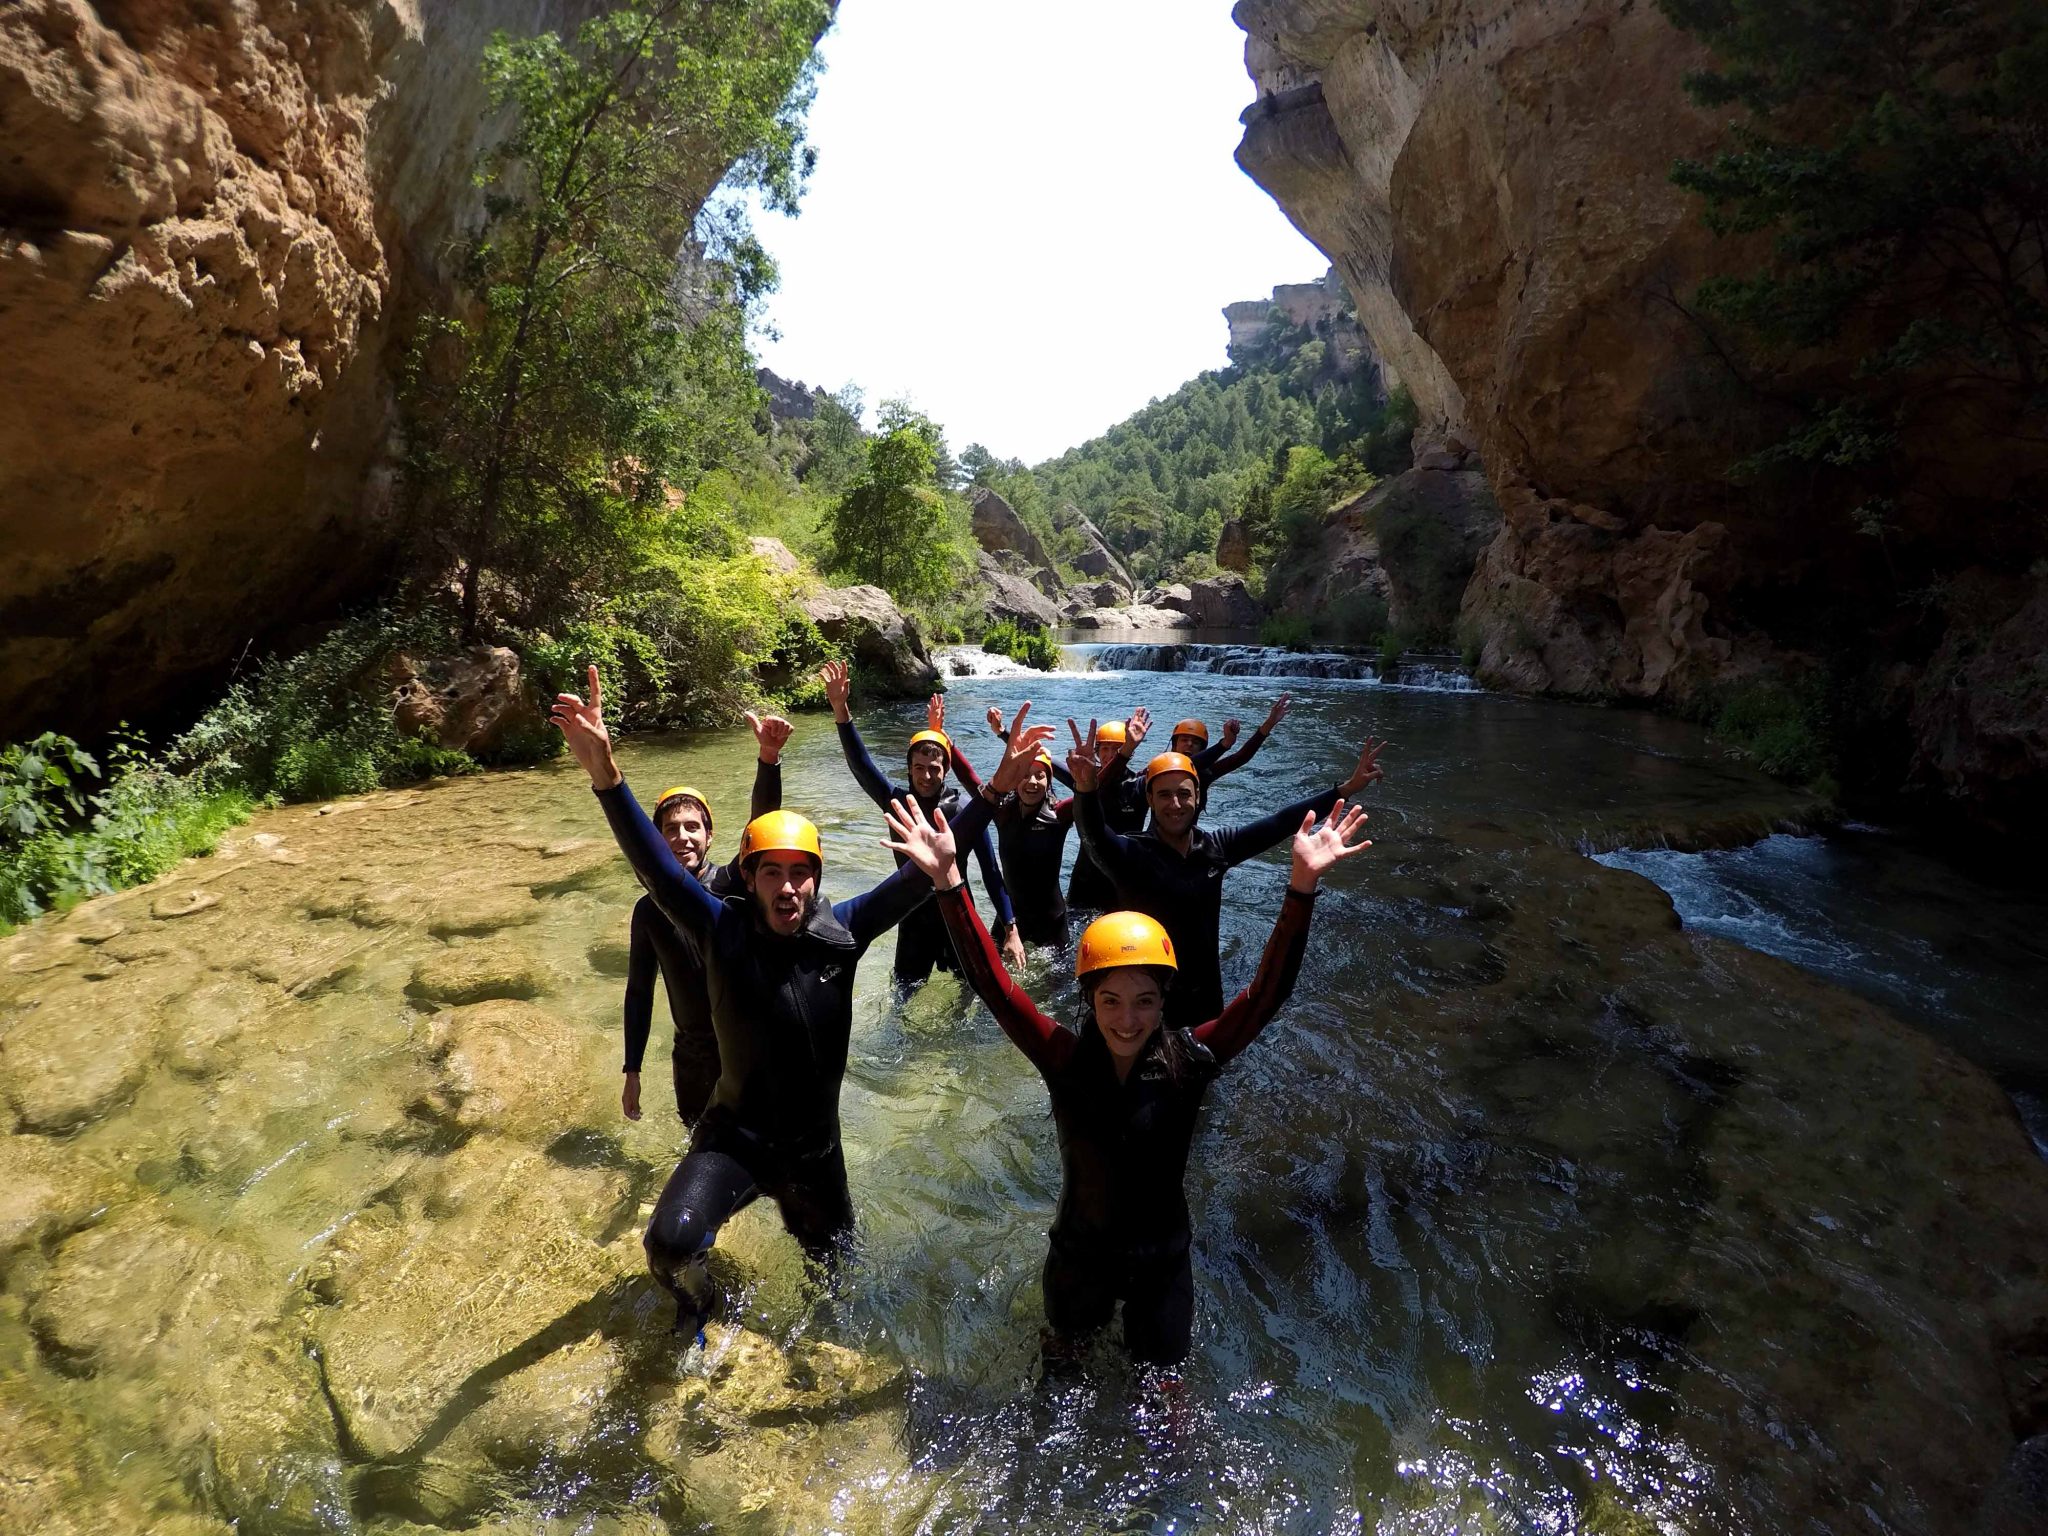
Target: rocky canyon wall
217	220
1491	177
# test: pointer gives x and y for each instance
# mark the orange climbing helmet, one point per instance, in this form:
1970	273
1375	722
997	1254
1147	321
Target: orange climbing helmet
1112	730
780	832
1171	762
937	739
683	792
1194	728
1123	938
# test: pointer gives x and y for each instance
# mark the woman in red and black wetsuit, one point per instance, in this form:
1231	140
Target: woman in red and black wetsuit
1125	1090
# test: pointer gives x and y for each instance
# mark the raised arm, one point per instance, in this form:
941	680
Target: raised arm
1316	851
992	871
674	889
1236	844
963	770
873	782
873	913
771	733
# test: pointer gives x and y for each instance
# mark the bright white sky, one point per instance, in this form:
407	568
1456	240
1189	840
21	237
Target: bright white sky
1025	215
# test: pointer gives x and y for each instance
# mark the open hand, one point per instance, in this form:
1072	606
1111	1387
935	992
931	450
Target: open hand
1020	752
1368	770
1317	850
1277	713
926	843
770	732
1081	760
582	725
1136	729
838	684
935	713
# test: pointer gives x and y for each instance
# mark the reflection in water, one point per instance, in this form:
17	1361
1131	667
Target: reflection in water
1532	1213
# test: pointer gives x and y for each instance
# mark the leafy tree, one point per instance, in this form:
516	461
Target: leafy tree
836	444
1897	153
892	527
597	372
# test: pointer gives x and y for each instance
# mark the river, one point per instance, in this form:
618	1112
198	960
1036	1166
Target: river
1538	1209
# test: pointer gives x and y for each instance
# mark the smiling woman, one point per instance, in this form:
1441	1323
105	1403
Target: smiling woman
1110	222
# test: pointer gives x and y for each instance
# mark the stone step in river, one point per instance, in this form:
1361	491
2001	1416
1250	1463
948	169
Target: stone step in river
1538	1208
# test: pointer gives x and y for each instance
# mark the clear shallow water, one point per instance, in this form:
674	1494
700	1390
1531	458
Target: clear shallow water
1533	1212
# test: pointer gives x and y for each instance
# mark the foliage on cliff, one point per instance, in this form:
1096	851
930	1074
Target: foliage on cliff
1160	483
595	374
1898	158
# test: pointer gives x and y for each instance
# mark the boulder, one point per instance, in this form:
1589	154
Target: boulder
1224	602
1097	558
474	702
997	527
1012	597
479	971
1134	620
47	1189
84	1047
775	554
1176	595
1234	548
509	1067
865	622
1098	594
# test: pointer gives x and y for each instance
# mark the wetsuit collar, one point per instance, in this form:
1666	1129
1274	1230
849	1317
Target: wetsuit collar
820	923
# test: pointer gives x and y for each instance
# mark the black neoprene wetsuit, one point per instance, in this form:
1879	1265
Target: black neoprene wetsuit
1185	891
921	945
782	1007
1032	843
1219	760
656	944
1121	1230
1123	805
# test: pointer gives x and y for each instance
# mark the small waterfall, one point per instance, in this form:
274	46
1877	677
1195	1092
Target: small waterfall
1433	673
973	661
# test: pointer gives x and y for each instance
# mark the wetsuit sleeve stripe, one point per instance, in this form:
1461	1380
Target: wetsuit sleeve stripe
1236	844
1238	1025
964	770
641	966
866	773
767	789
674	889
1230	762
1039	1038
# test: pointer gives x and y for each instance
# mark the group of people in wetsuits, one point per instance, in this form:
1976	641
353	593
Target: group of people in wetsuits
759	969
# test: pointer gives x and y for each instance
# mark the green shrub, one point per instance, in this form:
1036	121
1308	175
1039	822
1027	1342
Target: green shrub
59	845
1023	643
1783	728
1392	644
1357	618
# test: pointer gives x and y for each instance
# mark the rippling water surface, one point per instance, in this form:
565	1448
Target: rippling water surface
1534	1212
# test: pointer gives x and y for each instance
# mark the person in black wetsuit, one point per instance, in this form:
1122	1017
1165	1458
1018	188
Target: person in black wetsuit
1088	888
780	964
683	817
1191	738
1031	835
1174	872
1127	1088
921	944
